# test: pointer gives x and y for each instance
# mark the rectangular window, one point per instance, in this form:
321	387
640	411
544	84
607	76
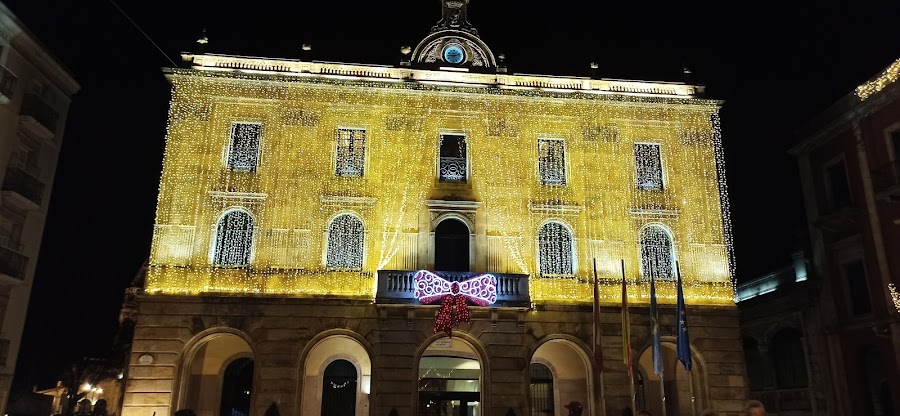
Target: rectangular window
351	152
858	289
838	191
895	145
453	158
648	165
552	161
243	152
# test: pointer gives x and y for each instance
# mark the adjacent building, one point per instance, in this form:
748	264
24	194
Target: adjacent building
35	92
319	225
849	159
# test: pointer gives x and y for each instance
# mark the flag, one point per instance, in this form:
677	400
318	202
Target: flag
682	340
654	330
598	351
626	324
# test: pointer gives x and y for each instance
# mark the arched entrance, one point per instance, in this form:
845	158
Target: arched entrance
449	379
337	374
236	388
570	369
680	395
219	377
451	246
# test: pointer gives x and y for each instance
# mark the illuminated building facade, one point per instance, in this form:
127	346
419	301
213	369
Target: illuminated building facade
849	160
299	201
35	92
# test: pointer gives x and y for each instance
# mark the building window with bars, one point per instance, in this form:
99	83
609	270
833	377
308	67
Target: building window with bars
346	235
453	166
351	152
552	161
648	165
234	239
657	254
541	385
243	150
555	250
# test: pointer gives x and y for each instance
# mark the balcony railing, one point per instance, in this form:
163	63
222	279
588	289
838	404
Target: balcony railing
453	169
886	181
398	286
12	263
35	107
22	183
4	351
7	85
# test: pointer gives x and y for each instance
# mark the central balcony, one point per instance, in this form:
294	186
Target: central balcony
398	287
453	169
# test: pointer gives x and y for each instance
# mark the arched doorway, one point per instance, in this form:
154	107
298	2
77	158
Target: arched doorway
449	379
680	394
337	375
570	369
219	377
451	246
237	385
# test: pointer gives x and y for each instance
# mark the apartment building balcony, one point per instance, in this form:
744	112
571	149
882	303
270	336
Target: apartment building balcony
886	181
398	287
8	83
12	265
4	352
21	189
37	118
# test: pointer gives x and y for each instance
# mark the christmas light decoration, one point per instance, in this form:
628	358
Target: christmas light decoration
888	77
481	290
649	167
552	161
894	295
297	193
234	239
555	254
244	149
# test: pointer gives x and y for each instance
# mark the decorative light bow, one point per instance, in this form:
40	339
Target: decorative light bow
481	290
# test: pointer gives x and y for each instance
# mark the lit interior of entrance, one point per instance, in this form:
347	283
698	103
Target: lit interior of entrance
449	379
451	246
219	380
569	369
675	381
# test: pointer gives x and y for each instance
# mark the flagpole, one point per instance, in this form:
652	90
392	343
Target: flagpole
690	375
598	362
662	393
627	334
662	377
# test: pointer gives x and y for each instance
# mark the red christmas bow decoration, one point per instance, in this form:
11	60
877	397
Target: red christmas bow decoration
481	290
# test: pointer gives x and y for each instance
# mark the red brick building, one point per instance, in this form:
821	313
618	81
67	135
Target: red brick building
849	160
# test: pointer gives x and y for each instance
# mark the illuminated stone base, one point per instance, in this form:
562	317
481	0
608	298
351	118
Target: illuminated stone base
183	345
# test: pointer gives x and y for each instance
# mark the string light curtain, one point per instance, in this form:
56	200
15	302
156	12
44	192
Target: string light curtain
555	243
552	161
657	254
351	152
234	239
649	166
346	237
243	153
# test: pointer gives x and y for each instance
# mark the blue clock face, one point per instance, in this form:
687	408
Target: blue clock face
453	54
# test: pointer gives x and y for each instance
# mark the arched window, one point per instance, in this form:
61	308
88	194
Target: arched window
339	389
790	361
345	243
555	245
657	255
541	390
234	239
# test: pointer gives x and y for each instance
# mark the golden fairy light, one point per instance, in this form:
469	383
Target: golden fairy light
309	184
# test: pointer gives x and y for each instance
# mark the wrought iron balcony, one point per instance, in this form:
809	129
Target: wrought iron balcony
35	108
398	286
886	181
453	169
21	182
13	263
7	85
4	351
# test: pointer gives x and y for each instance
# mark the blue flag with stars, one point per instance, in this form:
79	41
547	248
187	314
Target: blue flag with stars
683	347
654	330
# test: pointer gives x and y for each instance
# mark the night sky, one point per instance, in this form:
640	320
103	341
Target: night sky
775	64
